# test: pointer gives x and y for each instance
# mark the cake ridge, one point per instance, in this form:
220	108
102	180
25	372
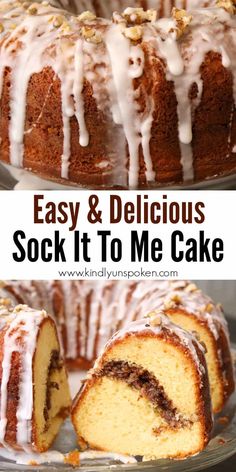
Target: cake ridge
28	419
21	333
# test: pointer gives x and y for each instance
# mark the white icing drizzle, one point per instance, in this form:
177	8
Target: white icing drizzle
119	51
77	92
120	62
58	457
25	322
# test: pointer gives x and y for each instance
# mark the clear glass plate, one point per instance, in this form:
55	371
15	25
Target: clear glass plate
11	178
221	447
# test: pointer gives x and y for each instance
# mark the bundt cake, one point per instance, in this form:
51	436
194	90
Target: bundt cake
136	399
133	101
35	396
89	312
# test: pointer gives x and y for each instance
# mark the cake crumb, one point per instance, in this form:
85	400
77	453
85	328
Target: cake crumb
73	458
221	441
223	420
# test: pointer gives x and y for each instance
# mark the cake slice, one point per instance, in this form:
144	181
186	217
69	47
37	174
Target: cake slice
147	395
35	397
194	311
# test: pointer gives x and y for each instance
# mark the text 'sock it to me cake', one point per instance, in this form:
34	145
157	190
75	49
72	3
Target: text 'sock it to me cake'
130	101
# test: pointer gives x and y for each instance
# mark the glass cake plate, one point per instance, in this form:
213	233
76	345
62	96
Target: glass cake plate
221	447
12	178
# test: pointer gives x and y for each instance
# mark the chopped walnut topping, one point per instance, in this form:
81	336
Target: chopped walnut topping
228	5
191	288
5	302
134	33
138	16
172	302
182	20
58	21
18	308
117	18
155	320
87	16
176	299
91	35
150	314
197	336
209	307
168	304
65	27
1	28
32	10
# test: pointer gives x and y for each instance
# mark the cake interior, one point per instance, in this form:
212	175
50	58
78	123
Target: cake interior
115	414
51	389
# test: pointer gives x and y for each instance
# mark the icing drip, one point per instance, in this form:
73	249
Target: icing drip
127	63
21	323
77	92
119	51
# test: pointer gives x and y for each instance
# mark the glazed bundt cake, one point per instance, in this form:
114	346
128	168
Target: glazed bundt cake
89	312
135	400
35	396
133	101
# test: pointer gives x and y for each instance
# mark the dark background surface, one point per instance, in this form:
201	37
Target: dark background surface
230	464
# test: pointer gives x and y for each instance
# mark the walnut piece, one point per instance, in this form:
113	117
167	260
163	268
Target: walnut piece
172	302
87	16
228	5
134	33
209	307
58	21
138	16
91	35
155	319
5	302
32	10
182	20
191	288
